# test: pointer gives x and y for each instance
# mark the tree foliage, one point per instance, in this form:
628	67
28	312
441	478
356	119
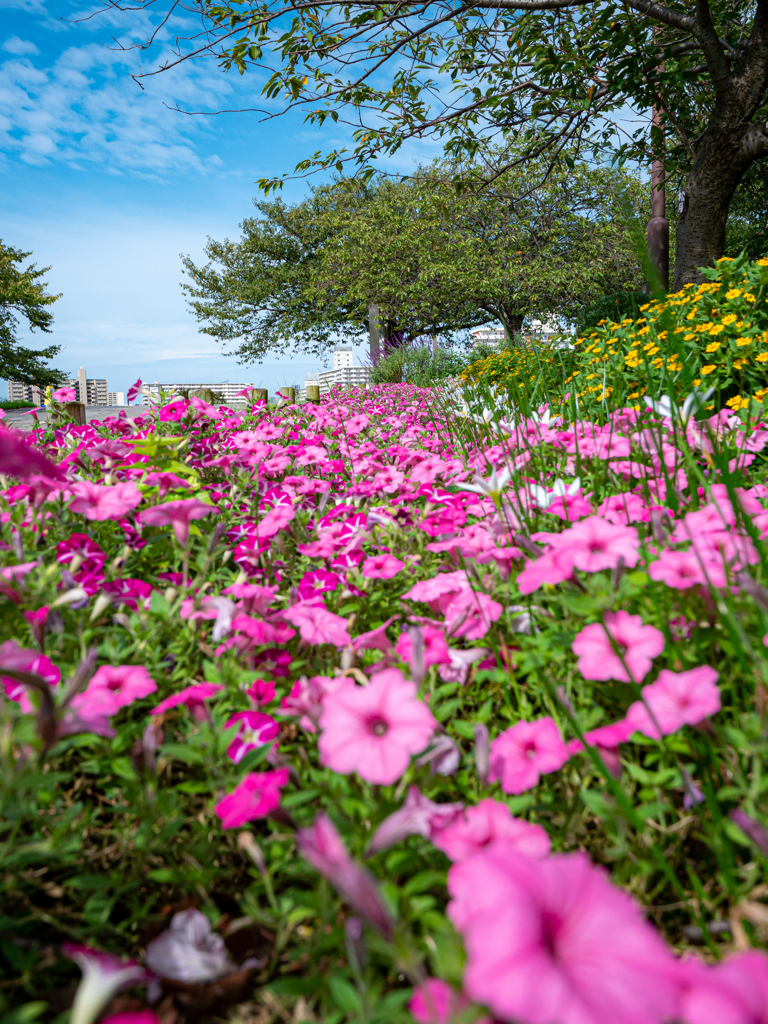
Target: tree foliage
435	260
23	293
552	74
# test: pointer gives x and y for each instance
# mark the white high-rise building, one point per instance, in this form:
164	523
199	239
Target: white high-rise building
18	392
116	398
343	358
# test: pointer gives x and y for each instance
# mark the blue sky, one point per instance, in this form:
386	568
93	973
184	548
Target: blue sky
108	186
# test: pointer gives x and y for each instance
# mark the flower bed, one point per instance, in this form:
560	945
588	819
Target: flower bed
374	710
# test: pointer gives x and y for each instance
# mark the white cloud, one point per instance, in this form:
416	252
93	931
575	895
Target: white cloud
20	47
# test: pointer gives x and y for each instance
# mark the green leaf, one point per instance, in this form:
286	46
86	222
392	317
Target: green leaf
425	880
344	995
124	769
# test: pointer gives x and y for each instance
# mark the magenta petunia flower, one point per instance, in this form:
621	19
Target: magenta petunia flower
179	514
639	645
674	700
381	567
436	1002
490	822
552	941
192	697
684	569
525	752
133	1017
254	797
374	729
418	816
254	730
111	688
606	738
99	503
436	650
104	976
595	544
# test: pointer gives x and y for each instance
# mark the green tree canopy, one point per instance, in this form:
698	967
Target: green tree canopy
438	259
23	293
552	74
434	259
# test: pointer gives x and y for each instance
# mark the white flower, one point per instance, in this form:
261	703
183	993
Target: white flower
189	950
544	498
103	976
665	407
493	486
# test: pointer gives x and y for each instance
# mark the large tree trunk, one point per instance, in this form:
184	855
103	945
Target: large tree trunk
719	167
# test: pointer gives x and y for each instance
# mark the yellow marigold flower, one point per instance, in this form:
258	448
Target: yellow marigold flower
762	358
691	315
711	367
716	329
651	348
688	337
643	308
734	293
697	382
714	346
741	342
749	296
590	376
657	362
662	334
729	319
762	263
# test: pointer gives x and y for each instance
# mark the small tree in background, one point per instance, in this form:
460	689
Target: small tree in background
23	293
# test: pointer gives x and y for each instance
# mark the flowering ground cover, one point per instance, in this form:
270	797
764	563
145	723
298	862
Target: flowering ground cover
398	706
714	335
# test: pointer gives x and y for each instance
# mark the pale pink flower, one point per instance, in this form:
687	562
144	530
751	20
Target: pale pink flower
470	614
276	520
440	590
418	816
96	502
490	822
111	688
374	729
436	1002
675	699
317	625
189	950
376	639
435	648
254	797
324	848
254	730
683	569
735	991
179	514
624	509
525	752
65	394
381	567
192	697
638	644
307	695
552	941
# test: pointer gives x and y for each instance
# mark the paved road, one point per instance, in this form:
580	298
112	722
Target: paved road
13	417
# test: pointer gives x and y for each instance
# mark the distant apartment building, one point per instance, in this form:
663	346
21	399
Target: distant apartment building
344	372
115	398
491	337
151	392
89	391
18	392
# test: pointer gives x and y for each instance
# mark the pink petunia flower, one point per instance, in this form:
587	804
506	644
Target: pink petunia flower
65	394
374	729
324	848
133	1017
317	625
192	697
20	659
525	752
638	644
435	648
179	514
734	991
490	822
436	1002
111	688
606	738
595	544
381	567
254	797
99	503
19	458
675	699
254	730
262	691
552	941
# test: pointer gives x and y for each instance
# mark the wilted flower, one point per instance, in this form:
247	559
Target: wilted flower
418	816
103	976
189	950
